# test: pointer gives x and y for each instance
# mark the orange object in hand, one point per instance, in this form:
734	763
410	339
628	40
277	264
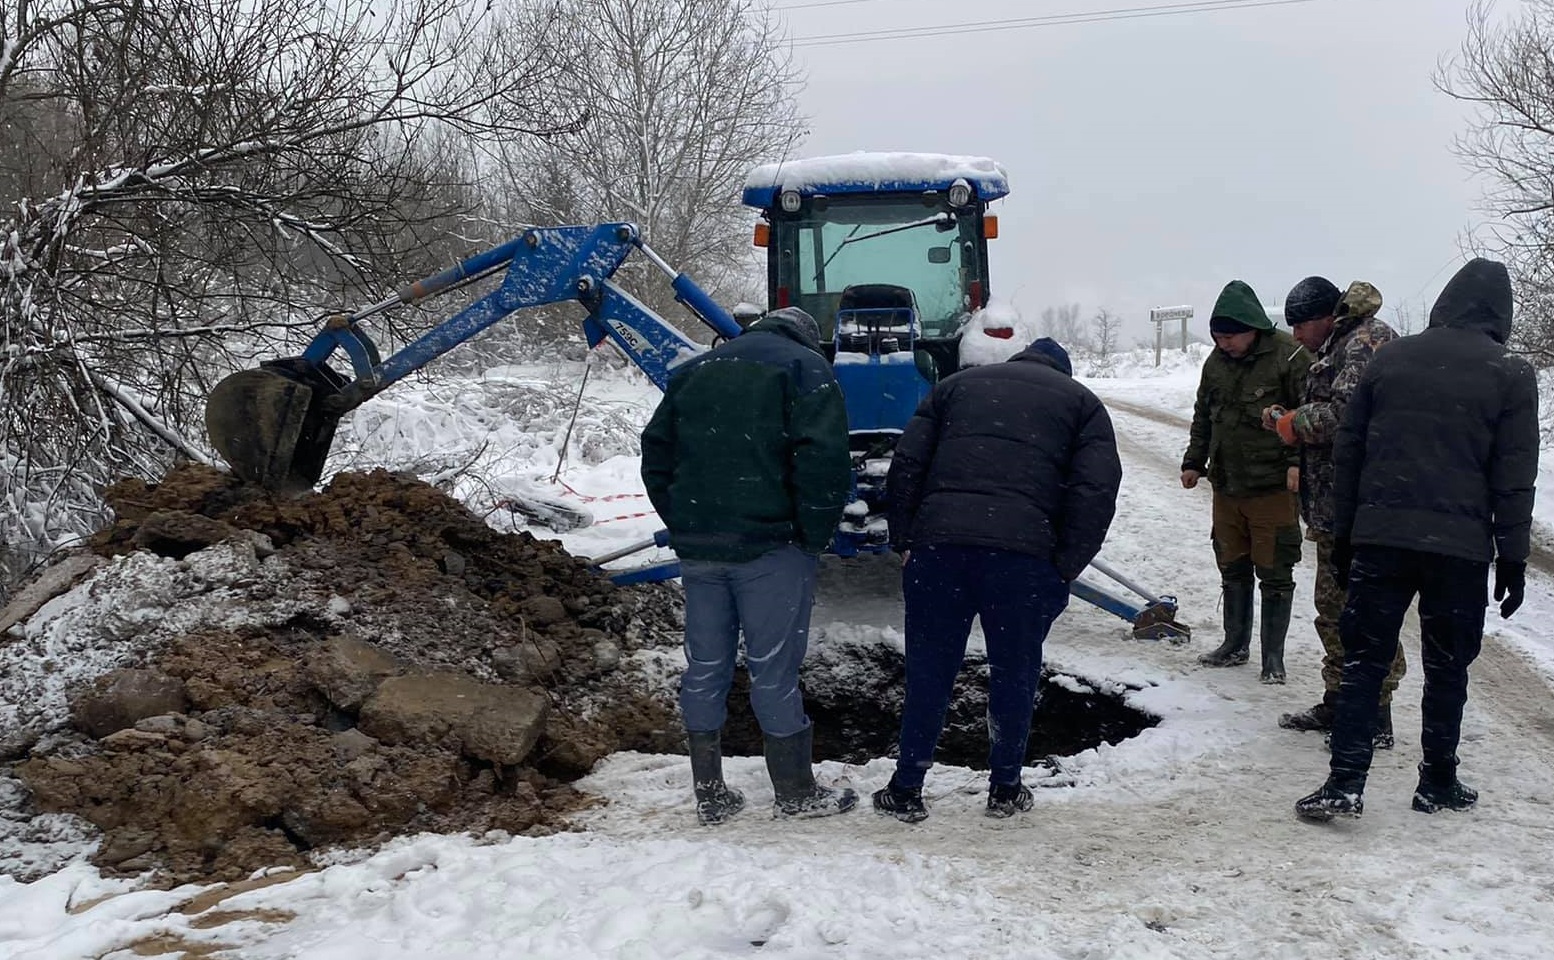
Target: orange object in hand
1285	425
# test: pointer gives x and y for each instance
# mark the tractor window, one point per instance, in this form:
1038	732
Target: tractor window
925	248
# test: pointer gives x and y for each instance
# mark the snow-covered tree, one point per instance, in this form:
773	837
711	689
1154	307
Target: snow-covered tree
1062	323
1105	336
186	184
1506	70
682	98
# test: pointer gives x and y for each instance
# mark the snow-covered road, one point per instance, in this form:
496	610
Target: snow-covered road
1179	843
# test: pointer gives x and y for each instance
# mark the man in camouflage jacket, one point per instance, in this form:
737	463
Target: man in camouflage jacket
1256	525
1342	329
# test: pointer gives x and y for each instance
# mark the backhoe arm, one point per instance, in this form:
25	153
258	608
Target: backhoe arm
274	425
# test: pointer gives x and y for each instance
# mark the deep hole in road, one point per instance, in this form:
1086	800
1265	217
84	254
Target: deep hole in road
853	694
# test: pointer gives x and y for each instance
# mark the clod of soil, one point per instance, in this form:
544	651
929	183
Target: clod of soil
387	664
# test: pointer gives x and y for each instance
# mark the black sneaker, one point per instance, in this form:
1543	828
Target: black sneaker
904	805
1430	797
1006	800
1329	802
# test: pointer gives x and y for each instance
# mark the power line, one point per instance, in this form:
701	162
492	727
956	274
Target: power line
819	3
1051	20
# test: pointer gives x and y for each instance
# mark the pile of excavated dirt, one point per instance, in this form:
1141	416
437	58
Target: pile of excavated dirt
328	671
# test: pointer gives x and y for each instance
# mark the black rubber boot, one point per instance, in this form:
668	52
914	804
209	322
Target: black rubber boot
1238	627
905	805
793	779
1439	789
1383	738
1275	626
716	801
1338	797
1319	717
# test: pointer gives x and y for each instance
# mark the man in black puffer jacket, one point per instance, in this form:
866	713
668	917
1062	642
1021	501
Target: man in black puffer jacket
1435	466
1001	490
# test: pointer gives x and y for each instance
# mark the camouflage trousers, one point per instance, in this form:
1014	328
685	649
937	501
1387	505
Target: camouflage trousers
1329	604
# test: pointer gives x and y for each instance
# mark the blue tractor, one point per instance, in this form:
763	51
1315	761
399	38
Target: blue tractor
887	251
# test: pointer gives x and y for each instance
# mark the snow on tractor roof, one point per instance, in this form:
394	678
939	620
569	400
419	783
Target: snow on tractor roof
873	173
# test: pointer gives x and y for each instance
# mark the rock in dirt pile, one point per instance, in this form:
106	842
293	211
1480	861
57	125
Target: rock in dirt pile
238	681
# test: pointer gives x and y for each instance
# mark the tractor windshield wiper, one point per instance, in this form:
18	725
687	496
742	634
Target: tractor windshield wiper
944	221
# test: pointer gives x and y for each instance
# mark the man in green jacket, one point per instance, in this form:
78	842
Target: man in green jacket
746	461
1256	522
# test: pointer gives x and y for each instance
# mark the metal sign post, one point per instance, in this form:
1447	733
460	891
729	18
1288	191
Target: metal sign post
1160	316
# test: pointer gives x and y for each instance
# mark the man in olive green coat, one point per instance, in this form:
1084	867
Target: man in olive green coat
1256	518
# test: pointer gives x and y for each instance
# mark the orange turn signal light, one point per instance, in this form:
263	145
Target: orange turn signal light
763	234
990	226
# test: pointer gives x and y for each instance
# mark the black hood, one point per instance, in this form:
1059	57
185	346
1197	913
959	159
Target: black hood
1478	297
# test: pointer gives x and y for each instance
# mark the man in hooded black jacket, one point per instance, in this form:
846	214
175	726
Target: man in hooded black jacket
1435	466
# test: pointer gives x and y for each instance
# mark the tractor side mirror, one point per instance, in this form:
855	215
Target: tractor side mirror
938	254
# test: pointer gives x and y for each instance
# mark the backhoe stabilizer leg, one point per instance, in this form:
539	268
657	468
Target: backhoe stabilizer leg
1155	620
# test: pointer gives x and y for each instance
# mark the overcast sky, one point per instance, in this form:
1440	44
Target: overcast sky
1152	160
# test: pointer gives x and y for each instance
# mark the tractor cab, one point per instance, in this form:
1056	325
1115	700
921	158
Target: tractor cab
917	222
888	252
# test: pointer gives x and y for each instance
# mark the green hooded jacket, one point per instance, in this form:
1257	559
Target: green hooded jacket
1228	444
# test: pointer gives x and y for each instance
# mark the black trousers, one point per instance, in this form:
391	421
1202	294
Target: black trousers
1383	581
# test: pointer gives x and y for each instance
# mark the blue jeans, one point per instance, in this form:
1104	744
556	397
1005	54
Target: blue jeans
770	598
1018	596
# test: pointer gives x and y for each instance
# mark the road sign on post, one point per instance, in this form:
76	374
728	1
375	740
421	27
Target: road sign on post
1160	316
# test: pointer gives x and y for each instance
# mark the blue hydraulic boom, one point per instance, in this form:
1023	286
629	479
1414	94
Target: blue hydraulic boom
274	424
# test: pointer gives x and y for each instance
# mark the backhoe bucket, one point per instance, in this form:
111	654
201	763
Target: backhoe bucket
271	424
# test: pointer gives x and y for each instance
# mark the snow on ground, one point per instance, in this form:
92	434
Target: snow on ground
1179	843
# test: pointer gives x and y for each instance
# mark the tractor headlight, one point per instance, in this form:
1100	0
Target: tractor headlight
791	201
960	193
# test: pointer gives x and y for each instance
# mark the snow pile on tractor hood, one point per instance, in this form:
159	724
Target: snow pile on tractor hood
882	171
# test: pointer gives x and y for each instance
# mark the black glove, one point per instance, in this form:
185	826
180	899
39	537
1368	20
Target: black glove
1510	583
1343	556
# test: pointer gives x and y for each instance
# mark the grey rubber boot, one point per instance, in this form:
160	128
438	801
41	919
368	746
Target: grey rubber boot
1275	626
793	779
715	800
1238	627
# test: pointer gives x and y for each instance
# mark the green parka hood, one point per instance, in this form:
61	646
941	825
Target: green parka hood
1239	302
